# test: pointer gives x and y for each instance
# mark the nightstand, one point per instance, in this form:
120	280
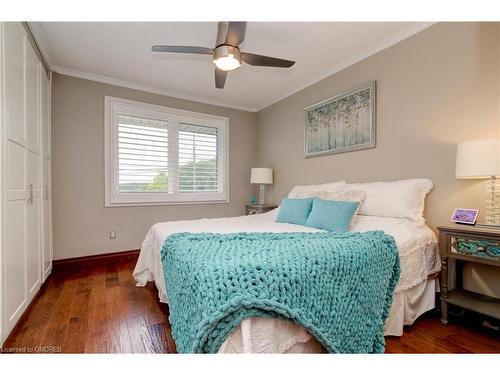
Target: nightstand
467	244
252	209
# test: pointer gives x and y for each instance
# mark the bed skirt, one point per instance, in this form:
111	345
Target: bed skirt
407	306
262	335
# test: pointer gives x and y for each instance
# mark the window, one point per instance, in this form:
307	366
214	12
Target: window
142	155
157	155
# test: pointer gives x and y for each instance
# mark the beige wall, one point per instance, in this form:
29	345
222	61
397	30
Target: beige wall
434	90
81	223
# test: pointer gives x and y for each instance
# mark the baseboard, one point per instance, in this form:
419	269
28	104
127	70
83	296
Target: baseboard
72	263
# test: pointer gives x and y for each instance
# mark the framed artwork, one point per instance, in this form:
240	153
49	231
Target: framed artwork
343	123
465	215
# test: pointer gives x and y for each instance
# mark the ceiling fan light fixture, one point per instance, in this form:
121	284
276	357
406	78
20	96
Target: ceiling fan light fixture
227	55
227	58
227	63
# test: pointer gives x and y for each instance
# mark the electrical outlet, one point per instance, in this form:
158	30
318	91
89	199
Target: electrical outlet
112	235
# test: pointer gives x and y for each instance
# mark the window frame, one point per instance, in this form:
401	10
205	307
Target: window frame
114	106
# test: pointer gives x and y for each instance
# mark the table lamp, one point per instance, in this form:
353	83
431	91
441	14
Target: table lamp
261	176
481	160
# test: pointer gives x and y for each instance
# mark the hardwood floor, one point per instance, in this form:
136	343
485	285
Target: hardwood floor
99	309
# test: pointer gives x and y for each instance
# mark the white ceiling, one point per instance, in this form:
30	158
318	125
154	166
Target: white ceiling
120	53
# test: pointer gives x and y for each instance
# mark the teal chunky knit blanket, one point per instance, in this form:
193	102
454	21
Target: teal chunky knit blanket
338	286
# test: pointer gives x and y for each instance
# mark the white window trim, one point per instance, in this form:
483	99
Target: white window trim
112	107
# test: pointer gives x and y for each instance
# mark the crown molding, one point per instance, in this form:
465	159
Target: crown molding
146	88
39	35
394	39
41	40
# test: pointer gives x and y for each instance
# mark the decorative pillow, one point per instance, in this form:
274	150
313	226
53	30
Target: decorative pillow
334	216
307	191
403	199
307	194
346	196
294	211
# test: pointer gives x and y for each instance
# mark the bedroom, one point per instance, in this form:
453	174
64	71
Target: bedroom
158	199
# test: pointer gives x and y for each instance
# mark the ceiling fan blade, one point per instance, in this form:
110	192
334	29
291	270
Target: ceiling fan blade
183	49
259	60
236	33
232	33
220	78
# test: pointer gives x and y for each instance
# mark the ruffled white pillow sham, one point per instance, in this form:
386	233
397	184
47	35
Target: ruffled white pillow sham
307	191
342	195
347	196
402	199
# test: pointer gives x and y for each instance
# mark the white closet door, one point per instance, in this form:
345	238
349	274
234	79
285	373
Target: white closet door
46	176
32	68
45	113
26	253
46	227
14	260
33	253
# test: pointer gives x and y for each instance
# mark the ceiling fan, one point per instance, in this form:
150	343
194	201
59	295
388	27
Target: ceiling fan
227	55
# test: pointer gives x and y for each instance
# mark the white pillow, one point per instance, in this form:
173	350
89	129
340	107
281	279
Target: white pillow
347	196
343	195
307	191
404	199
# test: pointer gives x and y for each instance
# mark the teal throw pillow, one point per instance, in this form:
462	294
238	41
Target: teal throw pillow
294	211
334	216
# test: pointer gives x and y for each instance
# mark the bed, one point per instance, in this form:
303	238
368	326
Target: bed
414	294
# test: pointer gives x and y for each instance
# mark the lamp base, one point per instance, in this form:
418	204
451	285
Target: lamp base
492	209
261	197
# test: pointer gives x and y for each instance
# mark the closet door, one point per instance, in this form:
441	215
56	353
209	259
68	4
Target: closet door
32	116
21	231
14	285
46	199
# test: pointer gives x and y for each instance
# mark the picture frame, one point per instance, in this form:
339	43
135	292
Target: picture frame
465	215
343	123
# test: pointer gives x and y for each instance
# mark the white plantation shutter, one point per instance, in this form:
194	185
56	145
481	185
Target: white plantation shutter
142	155
198	159
157	155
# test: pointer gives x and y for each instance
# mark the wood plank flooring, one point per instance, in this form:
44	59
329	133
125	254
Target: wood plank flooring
99	309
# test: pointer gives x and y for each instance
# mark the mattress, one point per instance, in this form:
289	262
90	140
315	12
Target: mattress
417	246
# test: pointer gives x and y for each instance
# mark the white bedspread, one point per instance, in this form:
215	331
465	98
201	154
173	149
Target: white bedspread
417	246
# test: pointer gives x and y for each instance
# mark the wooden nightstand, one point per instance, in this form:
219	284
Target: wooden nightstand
462	243
252	209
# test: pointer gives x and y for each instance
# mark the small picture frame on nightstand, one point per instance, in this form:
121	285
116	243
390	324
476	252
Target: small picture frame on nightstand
465	216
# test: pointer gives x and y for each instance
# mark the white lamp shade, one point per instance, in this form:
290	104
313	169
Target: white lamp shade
478	159
261	176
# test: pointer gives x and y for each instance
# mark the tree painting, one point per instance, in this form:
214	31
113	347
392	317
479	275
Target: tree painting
342	123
